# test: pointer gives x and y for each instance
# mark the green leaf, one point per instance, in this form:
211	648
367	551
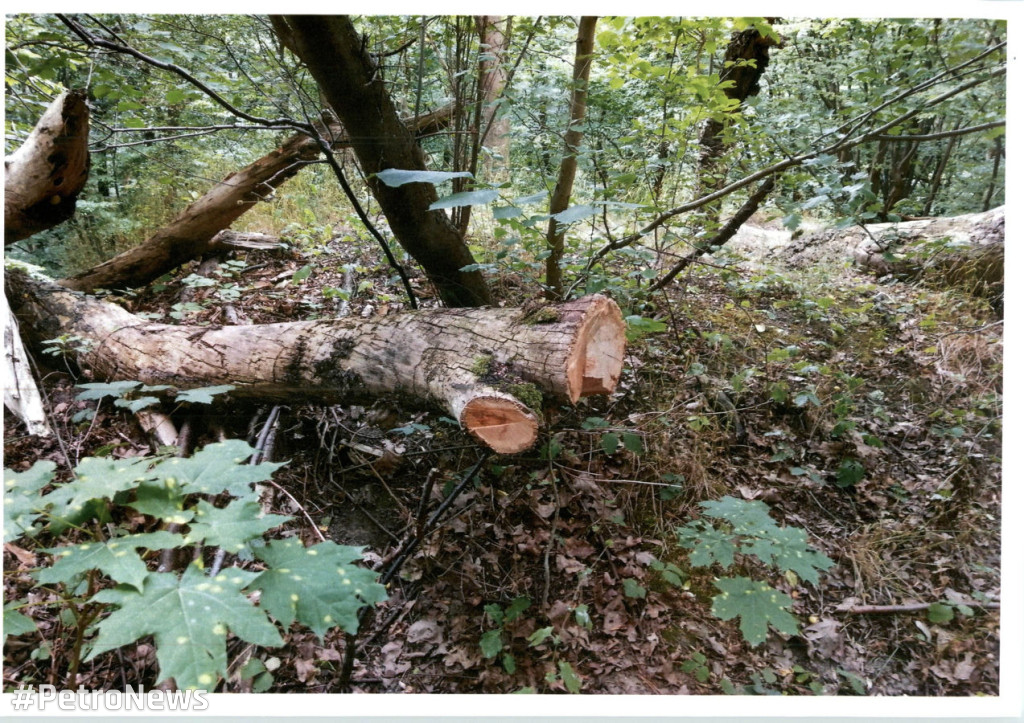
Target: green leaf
506	212
163	499
16	623
517	607
745	516
98	390
569	678
709	545
757	605
465	198
23	501
491	644
174	96
302	274
609	442
189	618
850	472
231	527
218	467
115	558
318	586
395	177
791	552
633	442
98	478
633	589
939	613
576	213
203	395
539	635
134	405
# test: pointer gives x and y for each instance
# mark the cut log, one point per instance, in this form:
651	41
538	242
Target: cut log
489	368
45	175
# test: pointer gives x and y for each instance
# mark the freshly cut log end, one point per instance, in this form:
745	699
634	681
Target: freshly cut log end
504	425
595	362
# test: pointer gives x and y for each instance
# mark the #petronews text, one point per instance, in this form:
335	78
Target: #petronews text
47	696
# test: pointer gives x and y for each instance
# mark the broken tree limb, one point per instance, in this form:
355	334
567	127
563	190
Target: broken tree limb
192	233
487	367
45	175
912	607
21	395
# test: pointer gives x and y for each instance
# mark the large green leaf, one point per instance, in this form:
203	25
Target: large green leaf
98	478
203	395
396	177
318	586
231	527
219	467
756	604
189	618
709	544
163	499
745	516
116	558
16	623
23	501
791	552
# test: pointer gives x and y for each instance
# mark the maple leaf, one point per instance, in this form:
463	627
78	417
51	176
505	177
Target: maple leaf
791	552
115	558
318	586
98	478
23	501
756	604
709	544
219	467
231	527
189	618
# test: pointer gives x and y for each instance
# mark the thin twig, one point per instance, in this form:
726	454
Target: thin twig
913	607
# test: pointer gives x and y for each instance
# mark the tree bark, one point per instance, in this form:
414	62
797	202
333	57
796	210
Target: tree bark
45	175
493	77
348	77
744	46
567	168
487	367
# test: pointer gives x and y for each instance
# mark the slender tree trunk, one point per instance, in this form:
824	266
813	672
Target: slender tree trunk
487	367
567	169
940	168
43	178
333	52
493	45
997	152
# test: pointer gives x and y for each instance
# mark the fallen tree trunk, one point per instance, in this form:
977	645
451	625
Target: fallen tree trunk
487	367
189	235
45	175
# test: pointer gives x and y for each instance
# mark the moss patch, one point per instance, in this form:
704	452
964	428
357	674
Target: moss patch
481	365
528	394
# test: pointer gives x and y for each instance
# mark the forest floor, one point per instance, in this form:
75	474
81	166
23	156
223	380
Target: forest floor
864	411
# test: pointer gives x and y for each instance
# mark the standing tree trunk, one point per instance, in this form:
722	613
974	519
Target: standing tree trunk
493	76
348	77
487	367
746	45
43	178
567	169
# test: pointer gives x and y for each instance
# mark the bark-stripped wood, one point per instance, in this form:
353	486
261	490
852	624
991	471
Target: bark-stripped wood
487	367
44	176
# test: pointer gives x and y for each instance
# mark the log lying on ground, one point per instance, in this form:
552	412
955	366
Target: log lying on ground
487	367
189	235
45	175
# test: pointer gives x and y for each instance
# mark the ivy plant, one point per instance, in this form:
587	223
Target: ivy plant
731	529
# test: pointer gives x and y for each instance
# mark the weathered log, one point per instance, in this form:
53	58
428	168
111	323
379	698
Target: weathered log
45	175
21	395
487	367
189	235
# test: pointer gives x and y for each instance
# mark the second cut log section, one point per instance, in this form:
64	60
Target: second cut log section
490	368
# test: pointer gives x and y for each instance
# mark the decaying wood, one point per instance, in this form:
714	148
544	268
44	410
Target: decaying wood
191	234
21	395
912	607
487	367
45	175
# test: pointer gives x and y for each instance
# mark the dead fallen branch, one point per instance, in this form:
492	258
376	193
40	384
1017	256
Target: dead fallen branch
911	607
